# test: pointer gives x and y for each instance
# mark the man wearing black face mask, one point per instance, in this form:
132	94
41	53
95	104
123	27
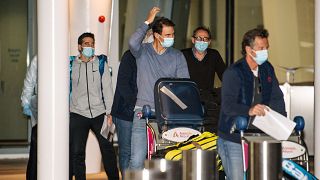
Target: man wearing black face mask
154	60
248	87
90	105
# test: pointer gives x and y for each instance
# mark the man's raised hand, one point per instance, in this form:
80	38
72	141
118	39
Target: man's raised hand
152	14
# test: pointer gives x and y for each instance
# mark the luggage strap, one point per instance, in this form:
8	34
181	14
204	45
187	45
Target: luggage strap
169	93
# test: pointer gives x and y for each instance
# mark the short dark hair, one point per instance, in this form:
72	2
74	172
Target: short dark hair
202	28
159	22
84	35
250	36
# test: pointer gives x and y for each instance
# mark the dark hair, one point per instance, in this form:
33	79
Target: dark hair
202	28
159	22
84	35
249	37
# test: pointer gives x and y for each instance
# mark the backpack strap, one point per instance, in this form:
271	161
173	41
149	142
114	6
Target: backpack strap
103	59
71	59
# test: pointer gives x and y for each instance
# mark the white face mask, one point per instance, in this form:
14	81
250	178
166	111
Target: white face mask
201	46
88	51
261	56
167	42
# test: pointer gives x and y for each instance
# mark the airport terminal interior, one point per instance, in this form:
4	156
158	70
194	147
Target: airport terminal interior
291	25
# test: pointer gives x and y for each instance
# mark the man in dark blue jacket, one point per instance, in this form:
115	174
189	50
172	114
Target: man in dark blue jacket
248	87
123	106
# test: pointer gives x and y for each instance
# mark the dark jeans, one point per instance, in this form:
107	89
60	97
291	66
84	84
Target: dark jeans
79	131
32	162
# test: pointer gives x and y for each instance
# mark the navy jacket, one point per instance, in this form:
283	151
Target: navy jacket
126	90
237	95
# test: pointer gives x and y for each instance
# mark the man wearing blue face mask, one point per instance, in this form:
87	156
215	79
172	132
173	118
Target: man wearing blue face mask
90	105
248	87
203	64
154	60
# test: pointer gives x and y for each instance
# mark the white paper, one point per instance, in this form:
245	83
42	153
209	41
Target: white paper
275	125
107	131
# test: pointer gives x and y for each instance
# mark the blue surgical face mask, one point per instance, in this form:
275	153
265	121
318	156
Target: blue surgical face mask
201	46
261	56
167	42
88	51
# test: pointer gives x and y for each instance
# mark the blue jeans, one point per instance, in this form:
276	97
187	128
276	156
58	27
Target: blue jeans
138	142
124	129
231	156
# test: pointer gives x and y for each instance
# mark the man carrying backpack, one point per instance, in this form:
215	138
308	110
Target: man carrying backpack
90	105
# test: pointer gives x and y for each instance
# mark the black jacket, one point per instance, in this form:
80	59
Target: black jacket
126	90
203	72
237	95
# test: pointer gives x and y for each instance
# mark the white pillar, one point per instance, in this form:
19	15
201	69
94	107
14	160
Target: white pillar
53	102
317	91
114	43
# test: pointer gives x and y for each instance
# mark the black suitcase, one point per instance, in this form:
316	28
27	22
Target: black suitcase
177	102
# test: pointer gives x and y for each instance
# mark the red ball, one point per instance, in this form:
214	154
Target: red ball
102	19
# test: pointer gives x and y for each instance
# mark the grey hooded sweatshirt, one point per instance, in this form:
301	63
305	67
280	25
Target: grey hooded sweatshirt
86	96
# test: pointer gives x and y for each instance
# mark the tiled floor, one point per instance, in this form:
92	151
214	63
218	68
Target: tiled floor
15	169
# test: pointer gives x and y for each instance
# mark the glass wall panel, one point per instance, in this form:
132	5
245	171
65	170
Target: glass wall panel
13	50
291	27
247	15
133	14
291	37
209	13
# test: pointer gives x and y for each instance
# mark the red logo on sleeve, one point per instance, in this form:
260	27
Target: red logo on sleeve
269	79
